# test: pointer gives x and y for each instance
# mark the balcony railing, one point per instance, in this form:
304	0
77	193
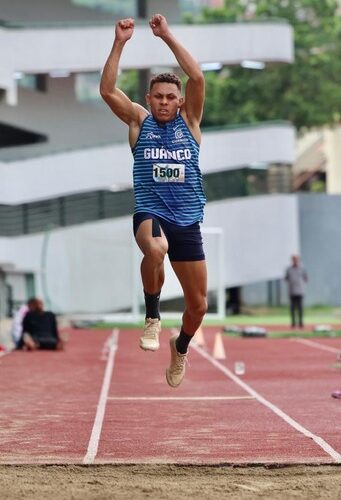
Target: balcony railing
80	208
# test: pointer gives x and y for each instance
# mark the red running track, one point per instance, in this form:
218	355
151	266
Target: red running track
108	402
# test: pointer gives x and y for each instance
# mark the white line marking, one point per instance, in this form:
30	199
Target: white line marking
5	353
106	348
317	345
180	398
318	440
97	427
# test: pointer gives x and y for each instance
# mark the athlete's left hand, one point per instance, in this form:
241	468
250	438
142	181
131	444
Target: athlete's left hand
158	24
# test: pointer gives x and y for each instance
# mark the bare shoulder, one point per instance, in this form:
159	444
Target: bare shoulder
135	125
140	113
193	125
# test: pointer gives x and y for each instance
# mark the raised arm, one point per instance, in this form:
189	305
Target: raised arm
195	86
129	112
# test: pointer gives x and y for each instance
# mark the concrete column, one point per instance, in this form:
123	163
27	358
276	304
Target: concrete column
168	8
3	295
41	80
332	147
142	9
62	86
280	178
144	76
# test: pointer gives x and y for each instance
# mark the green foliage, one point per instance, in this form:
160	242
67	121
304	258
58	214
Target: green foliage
307	92
318	187
128	82
117	7
235	183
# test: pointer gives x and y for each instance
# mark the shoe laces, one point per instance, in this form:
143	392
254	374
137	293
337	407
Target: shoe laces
151	329
181	360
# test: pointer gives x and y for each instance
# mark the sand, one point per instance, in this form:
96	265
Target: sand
169	482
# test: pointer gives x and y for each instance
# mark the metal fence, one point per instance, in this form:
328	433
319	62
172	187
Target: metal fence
90	206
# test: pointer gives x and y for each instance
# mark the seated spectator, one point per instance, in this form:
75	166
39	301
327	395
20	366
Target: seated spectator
18	318
40	329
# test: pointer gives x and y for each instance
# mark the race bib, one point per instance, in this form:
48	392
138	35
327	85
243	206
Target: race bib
169	172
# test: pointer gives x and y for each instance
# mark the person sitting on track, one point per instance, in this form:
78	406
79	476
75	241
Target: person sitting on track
40	329
17	323
169	197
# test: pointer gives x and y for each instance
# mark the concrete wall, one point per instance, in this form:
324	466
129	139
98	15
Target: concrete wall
86	48
101	167
321	149
67	123
49	11
89	268
332	147
320	238
168	8
272	293
259	238
68	12
86	265
319	217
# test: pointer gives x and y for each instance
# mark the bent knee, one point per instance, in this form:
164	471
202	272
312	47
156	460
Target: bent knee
199	308
155	251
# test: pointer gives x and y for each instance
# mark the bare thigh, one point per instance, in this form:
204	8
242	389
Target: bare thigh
148	243
193	280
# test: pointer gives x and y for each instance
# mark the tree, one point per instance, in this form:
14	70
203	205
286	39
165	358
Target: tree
307	92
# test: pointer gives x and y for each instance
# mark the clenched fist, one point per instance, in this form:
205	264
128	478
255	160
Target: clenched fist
124	29
159	25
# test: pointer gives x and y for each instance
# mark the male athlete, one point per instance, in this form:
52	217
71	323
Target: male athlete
169	198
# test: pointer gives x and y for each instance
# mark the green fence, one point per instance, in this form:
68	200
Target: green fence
90	206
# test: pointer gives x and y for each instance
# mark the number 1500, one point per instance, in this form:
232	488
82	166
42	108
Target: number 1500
166	172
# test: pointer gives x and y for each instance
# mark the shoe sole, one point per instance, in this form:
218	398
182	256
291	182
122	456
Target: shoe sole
167	370
169	382
149	348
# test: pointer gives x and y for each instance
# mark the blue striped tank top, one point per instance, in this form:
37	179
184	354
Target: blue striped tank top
167	178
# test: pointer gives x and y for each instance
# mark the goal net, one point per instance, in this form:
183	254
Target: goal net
171	296
93	271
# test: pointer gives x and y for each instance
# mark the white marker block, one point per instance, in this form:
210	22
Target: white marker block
199	337
218	349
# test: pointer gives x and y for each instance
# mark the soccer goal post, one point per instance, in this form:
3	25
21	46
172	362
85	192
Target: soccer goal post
92	272
213	238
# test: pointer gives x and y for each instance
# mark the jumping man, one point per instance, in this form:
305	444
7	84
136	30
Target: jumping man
169	198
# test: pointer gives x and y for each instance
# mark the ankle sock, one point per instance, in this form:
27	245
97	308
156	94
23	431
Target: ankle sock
152	302
182	342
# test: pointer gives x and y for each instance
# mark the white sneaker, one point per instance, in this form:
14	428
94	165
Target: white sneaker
177	368
149	341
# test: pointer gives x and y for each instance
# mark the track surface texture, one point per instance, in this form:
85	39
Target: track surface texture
99	421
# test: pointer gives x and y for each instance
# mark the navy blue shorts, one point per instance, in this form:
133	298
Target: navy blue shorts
184	242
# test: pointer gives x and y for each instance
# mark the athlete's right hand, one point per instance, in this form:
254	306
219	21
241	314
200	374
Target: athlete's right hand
124	29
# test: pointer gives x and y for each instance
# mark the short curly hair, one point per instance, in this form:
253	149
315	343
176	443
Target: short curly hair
165	78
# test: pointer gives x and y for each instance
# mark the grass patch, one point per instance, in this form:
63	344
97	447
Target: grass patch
257	316
293	334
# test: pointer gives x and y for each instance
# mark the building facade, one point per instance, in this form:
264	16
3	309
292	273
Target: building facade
66	190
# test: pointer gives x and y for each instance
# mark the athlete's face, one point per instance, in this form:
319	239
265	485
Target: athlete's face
164	101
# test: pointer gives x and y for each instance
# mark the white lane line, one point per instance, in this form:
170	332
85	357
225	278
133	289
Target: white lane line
317	345
179	398
97	427
318	440
5	353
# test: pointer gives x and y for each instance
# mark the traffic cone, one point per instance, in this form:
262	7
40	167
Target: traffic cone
199	337
218	349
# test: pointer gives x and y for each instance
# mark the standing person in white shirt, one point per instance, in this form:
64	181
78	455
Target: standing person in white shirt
297	277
